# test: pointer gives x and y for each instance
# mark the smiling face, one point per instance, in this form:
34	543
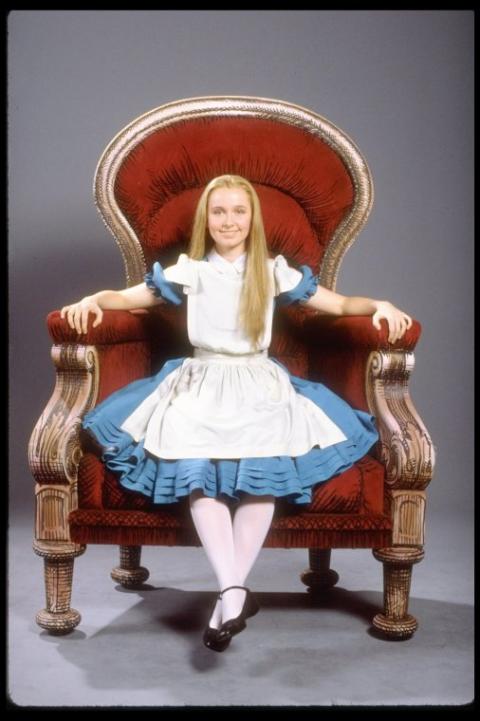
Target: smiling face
229	215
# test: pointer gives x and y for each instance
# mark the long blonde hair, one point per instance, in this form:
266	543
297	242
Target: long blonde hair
256	285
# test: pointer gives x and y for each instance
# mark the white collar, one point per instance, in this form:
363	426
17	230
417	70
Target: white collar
235	267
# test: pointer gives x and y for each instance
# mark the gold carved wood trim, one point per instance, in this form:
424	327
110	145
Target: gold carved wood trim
238	106
405	447
53	450
408	513
53	504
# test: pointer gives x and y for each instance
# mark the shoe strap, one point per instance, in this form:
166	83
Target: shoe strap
227	589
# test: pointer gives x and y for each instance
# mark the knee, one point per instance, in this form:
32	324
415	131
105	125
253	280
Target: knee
198	493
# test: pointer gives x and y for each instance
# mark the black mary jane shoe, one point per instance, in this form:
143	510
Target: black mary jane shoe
235	625
212	640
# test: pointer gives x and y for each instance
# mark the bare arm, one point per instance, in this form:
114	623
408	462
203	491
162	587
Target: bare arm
139	296
331	303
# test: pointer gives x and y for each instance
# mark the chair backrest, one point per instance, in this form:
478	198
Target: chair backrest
314	186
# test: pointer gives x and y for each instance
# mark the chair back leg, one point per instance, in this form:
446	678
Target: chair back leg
319	577
130	574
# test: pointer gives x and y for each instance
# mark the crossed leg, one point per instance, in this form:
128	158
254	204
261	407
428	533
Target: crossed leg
231	546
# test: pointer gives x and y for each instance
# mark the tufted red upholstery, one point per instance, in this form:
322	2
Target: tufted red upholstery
303	186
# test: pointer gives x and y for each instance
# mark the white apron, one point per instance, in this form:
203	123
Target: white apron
228	401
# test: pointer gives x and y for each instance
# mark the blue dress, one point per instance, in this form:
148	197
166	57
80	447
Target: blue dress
190	427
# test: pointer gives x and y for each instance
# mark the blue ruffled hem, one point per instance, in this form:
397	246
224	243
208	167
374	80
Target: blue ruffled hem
166	481
161	287
302	291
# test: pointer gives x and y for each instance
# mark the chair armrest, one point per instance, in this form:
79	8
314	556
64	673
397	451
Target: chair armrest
354	332
356	361
338	350
117	326
89	367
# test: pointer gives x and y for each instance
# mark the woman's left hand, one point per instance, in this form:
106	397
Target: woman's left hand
398	321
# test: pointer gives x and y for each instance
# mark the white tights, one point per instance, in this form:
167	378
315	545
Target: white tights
231	546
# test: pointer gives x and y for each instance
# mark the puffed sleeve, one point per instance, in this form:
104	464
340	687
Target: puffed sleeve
292	286
172	282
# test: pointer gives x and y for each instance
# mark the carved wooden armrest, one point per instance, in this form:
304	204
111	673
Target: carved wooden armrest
405	447
87	370
356	360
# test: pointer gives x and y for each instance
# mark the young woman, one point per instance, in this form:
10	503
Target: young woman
229	426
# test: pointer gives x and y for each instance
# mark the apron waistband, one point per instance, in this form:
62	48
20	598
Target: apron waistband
202	353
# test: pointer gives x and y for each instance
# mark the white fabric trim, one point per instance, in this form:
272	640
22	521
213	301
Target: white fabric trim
183	272
286	277
235	267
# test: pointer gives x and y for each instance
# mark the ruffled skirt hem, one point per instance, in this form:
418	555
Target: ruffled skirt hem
167	481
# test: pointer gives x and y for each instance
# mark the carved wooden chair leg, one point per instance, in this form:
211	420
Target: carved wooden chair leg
395	622
130	574
319	577
58	618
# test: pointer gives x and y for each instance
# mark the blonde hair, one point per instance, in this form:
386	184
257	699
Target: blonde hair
256	285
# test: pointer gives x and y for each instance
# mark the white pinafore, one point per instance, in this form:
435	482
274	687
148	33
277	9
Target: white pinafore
228	400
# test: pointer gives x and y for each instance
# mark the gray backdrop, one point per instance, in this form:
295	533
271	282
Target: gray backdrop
398	82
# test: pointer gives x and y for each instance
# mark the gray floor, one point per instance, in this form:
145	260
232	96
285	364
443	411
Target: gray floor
144	648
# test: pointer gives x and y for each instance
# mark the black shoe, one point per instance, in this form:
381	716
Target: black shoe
235	625
212	640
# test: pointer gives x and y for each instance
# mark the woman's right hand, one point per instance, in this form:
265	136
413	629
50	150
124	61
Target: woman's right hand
77	314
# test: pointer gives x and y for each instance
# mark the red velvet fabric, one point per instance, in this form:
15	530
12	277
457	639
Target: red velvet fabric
117	326
159	528
121	364
347	332
305	189
338	350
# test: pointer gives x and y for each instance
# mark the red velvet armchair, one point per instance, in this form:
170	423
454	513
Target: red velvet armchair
316	194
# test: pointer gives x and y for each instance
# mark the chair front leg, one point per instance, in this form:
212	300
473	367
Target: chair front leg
395	622
58	618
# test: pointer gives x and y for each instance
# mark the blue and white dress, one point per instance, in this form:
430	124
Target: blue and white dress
230	419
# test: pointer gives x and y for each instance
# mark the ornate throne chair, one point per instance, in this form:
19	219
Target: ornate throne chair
316	194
